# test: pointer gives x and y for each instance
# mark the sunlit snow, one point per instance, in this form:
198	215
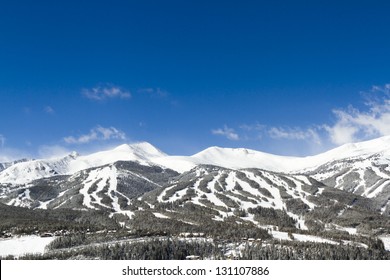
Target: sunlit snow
28	244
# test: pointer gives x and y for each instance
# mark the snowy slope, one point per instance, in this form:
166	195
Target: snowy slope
259	196
5	165
25	172
246	158
229	182
376	151
221	189
108	187
22	245
142	153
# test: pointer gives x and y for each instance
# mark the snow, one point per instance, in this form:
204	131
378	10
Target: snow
350	230
28	244
24	172
159	215
377	191
300	237
22	200
280	235
303	179
103	177
178	163
320	191
311	238
300	220
230	181
386	241
246	158
384	207
140	152
146	154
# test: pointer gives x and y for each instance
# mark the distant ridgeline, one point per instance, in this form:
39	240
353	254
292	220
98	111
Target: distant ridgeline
218	197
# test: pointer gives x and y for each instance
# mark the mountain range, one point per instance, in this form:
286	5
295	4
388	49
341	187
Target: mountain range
347	187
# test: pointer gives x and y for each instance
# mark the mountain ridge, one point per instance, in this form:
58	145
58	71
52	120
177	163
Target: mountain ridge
361	168
234	158
138	185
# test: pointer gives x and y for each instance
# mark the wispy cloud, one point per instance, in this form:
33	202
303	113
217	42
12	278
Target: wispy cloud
49	110
52	151
253	127
259	131
354	125
8	154
229	133
102	92
97	134
350	124
154	92
296	133
2	141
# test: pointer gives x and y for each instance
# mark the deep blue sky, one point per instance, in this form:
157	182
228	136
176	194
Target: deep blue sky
185	75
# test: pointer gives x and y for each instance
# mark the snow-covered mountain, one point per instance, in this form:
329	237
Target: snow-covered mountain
261	196
365	175
347	187
147	154
108	187
245	158
342	196
360	168
25	172
5	165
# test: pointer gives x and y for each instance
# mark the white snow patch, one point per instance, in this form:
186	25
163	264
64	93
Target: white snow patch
159	215
28	244
304	179
350	230
300	237
386	241
378	190
311	238
280	235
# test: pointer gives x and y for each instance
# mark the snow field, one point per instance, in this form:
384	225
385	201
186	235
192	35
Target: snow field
19	246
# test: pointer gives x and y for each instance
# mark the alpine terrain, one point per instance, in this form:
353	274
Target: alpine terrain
136	202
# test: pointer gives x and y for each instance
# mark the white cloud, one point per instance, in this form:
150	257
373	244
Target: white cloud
309	134
4	159
100	93
54	151
2	141
229	133
355	125
154	92
9	154
350	124
341	134
97	134
253	127
49	110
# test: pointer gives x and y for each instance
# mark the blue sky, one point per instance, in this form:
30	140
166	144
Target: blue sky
285	77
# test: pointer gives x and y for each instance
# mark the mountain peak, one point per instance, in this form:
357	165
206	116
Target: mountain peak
142	149
73	155
369	147
232	158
